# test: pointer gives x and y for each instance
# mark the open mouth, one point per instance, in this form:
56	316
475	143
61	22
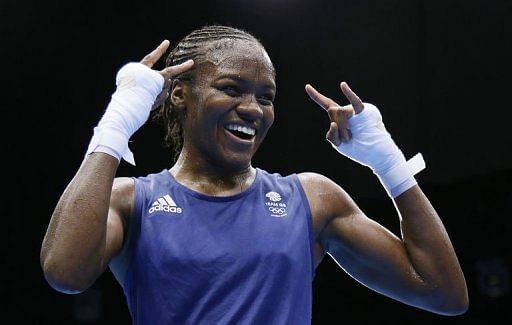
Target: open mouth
242	132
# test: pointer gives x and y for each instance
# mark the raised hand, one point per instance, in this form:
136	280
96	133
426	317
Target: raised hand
167	73
357	132
339	115
140	89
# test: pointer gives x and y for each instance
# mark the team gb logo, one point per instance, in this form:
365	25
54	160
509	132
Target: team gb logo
273	196
274	204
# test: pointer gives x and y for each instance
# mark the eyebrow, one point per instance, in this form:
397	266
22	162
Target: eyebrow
236	78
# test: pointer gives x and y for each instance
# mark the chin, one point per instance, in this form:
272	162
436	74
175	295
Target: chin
236	161
239	163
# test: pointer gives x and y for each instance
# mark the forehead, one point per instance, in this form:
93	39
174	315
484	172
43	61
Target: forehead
237	57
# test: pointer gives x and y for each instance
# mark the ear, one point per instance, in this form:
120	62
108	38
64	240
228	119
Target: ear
178	94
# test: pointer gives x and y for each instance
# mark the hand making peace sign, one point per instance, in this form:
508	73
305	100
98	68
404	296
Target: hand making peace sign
339	115
169	72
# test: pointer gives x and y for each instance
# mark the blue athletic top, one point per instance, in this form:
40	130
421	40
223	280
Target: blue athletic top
191	258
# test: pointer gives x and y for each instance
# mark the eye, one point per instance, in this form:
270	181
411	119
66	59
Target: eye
231	90
266	99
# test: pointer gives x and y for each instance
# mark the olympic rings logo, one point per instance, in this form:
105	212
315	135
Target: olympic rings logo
277	210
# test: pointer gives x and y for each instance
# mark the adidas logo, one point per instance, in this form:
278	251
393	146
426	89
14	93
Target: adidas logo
166	204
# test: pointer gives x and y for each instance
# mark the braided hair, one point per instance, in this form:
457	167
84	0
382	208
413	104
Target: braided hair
198	45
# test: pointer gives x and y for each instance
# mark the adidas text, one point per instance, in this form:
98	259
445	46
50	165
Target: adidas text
165	208
165	204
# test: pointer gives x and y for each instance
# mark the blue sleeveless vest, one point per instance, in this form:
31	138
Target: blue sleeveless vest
199	259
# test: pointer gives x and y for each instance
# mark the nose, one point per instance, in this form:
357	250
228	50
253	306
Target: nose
249	109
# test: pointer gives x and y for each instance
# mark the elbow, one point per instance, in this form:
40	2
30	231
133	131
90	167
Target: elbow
61	279
454	308
458	301
461	306
453	305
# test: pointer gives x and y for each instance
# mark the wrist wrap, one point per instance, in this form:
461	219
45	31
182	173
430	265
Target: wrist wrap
137	89
371	145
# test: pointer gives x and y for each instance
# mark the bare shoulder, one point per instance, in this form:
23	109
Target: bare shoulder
123	187
321	188
119	214
311	180
326	199
121	200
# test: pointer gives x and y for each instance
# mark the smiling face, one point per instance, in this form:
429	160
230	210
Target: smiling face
229	107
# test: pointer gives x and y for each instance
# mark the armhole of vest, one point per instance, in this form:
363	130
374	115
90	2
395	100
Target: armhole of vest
309	218
123	261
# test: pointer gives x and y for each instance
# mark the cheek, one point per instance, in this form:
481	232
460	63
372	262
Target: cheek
220	102
217	105
209	105
268	118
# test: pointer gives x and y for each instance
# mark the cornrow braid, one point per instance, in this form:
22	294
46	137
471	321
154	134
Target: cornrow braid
196	45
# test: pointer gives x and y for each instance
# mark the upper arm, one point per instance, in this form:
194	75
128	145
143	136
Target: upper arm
366	250
120	210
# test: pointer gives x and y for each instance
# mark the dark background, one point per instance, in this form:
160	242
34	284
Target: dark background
438	70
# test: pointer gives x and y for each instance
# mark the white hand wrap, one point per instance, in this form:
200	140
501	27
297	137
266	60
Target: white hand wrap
137	89
371	145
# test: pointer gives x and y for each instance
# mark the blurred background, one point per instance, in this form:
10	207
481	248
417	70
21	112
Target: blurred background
438	70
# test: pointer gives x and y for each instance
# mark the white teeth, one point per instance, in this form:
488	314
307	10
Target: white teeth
244	129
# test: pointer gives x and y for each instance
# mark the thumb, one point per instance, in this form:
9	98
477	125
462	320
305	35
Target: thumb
333	135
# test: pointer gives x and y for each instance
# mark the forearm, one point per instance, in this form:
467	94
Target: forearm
81	238
429	247
73	248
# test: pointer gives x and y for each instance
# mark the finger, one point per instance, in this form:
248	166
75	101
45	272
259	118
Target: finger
333	135
160	99
321	100
150	59
348	112
340	116
352	97
167	84
176	69
344	133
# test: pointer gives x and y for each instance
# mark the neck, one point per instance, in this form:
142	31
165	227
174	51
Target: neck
209	178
